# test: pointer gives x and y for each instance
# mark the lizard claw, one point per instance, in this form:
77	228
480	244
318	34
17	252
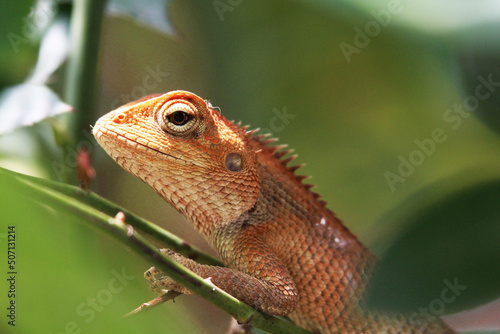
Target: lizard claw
150	276
164	284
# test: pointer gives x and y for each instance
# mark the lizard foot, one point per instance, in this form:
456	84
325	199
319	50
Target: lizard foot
162	284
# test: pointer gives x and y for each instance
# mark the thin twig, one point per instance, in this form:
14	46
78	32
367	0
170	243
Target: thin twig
154	303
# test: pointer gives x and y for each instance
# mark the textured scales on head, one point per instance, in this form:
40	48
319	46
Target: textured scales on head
177	145
265	142
196	159
278	151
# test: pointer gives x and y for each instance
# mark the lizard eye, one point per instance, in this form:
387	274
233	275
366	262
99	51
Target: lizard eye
177	118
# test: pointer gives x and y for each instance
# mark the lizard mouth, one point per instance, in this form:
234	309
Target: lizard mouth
117	144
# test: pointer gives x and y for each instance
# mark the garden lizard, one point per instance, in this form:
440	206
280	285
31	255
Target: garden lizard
286	252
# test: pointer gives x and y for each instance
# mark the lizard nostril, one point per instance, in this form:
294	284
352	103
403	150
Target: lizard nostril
119	119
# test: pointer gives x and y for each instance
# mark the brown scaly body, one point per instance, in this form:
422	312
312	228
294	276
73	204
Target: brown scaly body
286	253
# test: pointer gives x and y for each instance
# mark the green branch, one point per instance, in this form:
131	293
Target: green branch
100	212
109	208
80	83
86	21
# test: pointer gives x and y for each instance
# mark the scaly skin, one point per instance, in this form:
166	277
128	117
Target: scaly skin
286	253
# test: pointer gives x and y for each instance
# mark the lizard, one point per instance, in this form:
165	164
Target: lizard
286	253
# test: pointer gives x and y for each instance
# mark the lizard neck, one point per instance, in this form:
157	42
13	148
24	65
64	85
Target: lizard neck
284	202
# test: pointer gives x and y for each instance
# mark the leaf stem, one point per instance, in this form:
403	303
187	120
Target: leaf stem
86	21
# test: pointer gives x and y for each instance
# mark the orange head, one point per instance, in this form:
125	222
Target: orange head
188	152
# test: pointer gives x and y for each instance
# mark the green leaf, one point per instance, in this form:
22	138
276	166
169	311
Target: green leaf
32	101
448	257
425	15
154	15
478	51
20	36
28	104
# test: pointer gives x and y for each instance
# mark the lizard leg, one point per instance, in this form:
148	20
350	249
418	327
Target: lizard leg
161	284
150	276
274	295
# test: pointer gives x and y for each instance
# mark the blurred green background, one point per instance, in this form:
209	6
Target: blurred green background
393	106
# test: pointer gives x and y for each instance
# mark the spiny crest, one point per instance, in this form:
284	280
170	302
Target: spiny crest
280	151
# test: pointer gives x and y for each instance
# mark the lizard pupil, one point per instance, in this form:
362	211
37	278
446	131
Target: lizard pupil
179	118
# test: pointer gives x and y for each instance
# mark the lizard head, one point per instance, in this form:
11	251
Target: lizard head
201	163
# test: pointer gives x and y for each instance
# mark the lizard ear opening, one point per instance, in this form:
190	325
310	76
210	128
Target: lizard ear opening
234	162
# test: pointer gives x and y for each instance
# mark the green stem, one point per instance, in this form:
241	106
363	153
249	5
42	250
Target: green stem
86	21
125	233
111	209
